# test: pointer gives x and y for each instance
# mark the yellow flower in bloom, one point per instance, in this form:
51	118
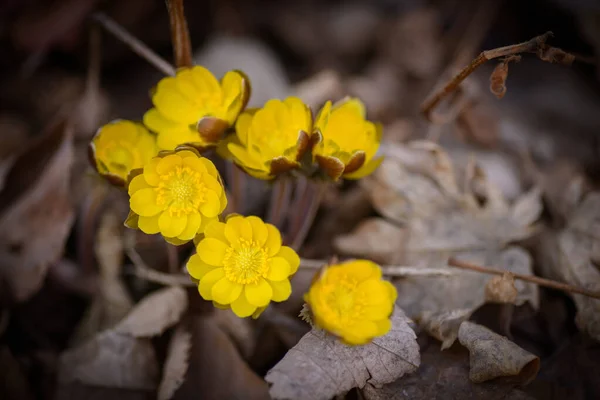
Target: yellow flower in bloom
273	139
194	108
346	141
241	264
176	195
119	147
352	301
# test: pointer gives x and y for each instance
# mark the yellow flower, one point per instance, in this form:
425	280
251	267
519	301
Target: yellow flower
273	139
194	108
176	195
241	264
351	301
346	141
119	147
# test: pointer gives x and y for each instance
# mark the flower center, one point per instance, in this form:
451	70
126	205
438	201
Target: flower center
180	191
245	264
344	305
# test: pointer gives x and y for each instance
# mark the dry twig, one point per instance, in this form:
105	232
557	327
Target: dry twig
528	278
387	270
537	46
180	36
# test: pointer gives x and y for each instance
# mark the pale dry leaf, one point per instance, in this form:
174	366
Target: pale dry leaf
444	325
109	247
216	369
416	191
36	213
501	289
493	356
176	364
572	256
111	359
155	313
321	367
443	375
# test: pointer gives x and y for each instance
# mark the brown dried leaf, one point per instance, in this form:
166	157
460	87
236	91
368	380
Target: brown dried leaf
111	359
155	313
176	364
216	370
366	241
35	211
443	375
444	325
494	356
572	255
321	367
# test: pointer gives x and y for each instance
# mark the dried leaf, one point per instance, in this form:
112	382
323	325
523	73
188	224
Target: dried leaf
321	367
429	218
176	364
216	370
13	382
444	325
111	359
494	356
501	289
572	256
155	313
35	211
443	375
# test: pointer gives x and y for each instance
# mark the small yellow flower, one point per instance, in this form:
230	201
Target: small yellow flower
119	147
346	141
352	301
241	264
176	195
273	139
194	108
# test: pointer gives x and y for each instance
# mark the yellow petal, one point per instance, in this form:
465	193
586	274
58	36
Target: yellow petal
383	326
279	269
167	163
208	281
375	292
171	103
259	294
171	139
205	81
150	174
273	243
362	270
211	205
212	183
323	116
378	312
143	203
366	169
198	268
191	229
259	230
149	225
281	290
244	158
243	125
238	228
366	329
212	251
171	226
351	105
226	291
291	257
210	167
193	162
241	307
216	230
137	183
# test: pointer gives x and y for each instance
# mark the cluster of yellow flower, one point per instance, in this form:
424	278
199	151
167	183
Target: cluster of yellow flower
173	190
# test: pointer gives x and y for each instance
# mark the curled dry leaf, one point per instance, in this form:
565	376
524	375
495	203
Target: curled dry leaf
155	313
501	289
35	211
111	359
444	325
494	356
573	254
176	364
443	375
429	217
321	367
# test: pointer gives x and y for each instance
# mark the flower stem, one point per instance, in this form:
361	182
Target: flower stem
305	207
134	44
180	35
279	204
237	181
